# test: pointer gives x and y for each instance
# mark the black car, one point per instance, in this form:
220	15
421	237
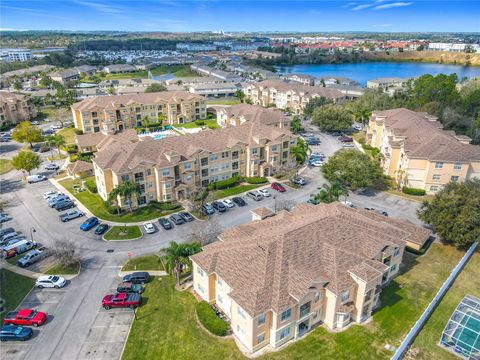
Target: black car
166	224
15	333
313	141
186	216
239	201
219	206
128	287
382	212
64	205
177	219
101	229
137	277
337	133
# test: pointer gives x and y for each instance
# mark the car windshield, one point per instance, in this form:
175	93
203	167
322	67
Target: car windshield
32	314
18	330
55	278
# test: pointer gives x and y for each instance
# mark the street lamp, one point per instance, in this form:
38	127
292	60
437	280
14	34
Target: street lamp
274	204
32	230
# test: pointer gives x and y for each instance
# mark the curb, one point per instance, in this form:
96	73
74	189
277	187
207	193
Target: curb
134	239
151	272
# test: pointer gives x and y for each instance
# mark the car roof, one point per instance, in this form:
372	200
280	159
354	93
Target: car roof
120	295
25	312
125	284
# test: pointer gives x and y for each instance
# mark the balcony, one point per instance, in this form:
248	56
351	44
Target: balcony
304	310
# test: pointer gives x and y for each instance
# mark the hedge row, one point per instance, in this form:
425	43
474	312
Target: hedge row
91	185
225	184
256	180
165	206
210	320
413	191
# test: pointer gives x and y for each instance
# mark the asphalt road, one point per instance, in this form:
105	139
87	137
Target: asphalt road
79	328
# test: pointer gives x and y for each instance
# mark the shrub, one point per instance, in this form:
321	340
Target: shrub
73	157
413	191
111	209
91	185
78	132
165	206
201	196
199	122
225	184
210	320
72	149
256	180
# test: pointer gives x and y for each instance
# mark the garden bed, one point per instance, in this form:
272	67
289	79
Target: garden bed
210	320
117	233
145	262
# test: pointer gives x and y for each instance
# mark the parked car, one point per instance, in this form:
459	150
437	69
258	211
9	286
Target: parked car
369	208
347	203
11	240
345	139
44	149
279	187
5	231
28	317
166	224
35	178
357	127
17	248
265	193
337	133
228	203
72	214
101	229
15	333
313	141
127	287
55	199
9	235
255	195
149	228
219	206
313	201
65	205
348	145
51	194
89	223
299	181
382	212
50	281
138	277
4	218
316	163
122	300
186	216
239	201
30	258
56	126
208	209
52	166
177	219
48	132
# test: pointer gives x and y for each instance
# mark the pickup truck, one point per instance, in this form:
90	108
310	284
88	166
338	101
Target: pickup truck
121	300
70	215
31	258
26	317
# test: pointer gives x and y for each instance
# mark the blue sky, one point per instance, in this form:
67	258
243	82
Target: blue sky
266	15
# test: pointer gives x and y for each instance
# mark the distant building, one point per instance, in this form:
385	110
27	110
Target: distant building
222	89
208	70
330	80
351	92
15	108
10	55
65	76
300	78
239	114
387	84
196	47
119	68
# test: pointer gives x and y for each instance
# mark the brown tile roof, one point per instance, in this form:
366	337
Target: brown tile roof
422	137
255	114
300	88
100	139
123	156
270	264
262	212
79	166
6	96
115	101
85	140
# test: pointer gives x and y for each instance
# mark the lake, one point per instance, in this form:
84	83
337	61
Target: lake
361	72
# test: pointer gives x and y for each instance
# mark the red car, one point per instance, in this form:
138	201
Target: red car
122	300
279	187
25	317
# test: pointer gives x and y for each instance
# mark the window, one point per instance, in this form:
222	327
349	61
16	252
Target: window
368	296
241	312
234	155
125	178
204	172
139	176
188	178
286	314
345	296
433	188
235	165
261	338
274	147
285	144
454	178
187	166
168	185
285	154
149	172
284	333
393	268
396	251
436	177
219	282
261	319
457	166
201	288
439	165
220	299
142	200
166	172
213	157
204	161
225	154
254	151
200	271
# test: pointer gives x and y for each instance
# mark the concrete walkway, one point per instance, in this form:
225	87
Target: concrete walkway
31	274
151	272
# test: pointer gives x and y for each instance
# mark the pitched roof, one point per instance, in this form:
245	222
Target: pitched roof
79	166
271	264
422	137
115	101
100	140
6	96
255	114
300	88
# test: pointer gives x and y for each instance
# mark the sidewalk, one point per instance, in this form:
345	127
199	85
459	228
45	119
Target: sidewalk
27	273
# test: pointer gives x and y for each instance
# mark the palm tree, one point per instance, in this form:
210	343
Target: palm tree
299	151
335	190
296	125
177	256
126	190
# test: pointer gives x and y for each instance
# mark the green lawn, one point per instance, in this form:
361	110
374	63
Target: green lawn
5	166
131	75
117	233
468	282
95	204
402	303
219	194
13	288
210	123
228	101
146	262
175	70
68	134
59	269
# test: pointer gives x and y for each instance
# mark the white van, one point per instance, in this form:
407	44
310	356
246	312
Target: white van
36	178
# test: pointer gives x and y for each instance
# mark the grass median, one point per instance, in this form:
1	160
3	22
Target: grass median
219	194
123	233
5	166
145	262
60	269
13	288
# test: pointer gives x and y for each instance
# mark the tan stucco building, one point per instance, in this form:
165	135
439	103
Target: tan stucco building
418	153
288	96
119	112
171	168
278	278
239	114
15	108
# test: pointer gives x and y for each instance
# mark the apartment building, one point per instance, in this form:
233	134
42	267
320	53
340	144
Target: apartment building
278	278
119	68
418	153
388	85
293	97
239	114
119	112
300	78
15	108
171	168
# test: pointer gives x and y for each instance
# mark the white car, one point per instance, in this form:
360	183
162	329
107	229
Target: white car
228	203
149	228
264	192
317	163
347	203
357	127
36	178
51	194
56	126
348	145
52	166
50	281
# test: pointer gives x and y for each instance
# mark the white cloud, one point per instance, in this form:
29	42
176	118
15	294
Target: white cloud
361	7
100	7
382	25
392	5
